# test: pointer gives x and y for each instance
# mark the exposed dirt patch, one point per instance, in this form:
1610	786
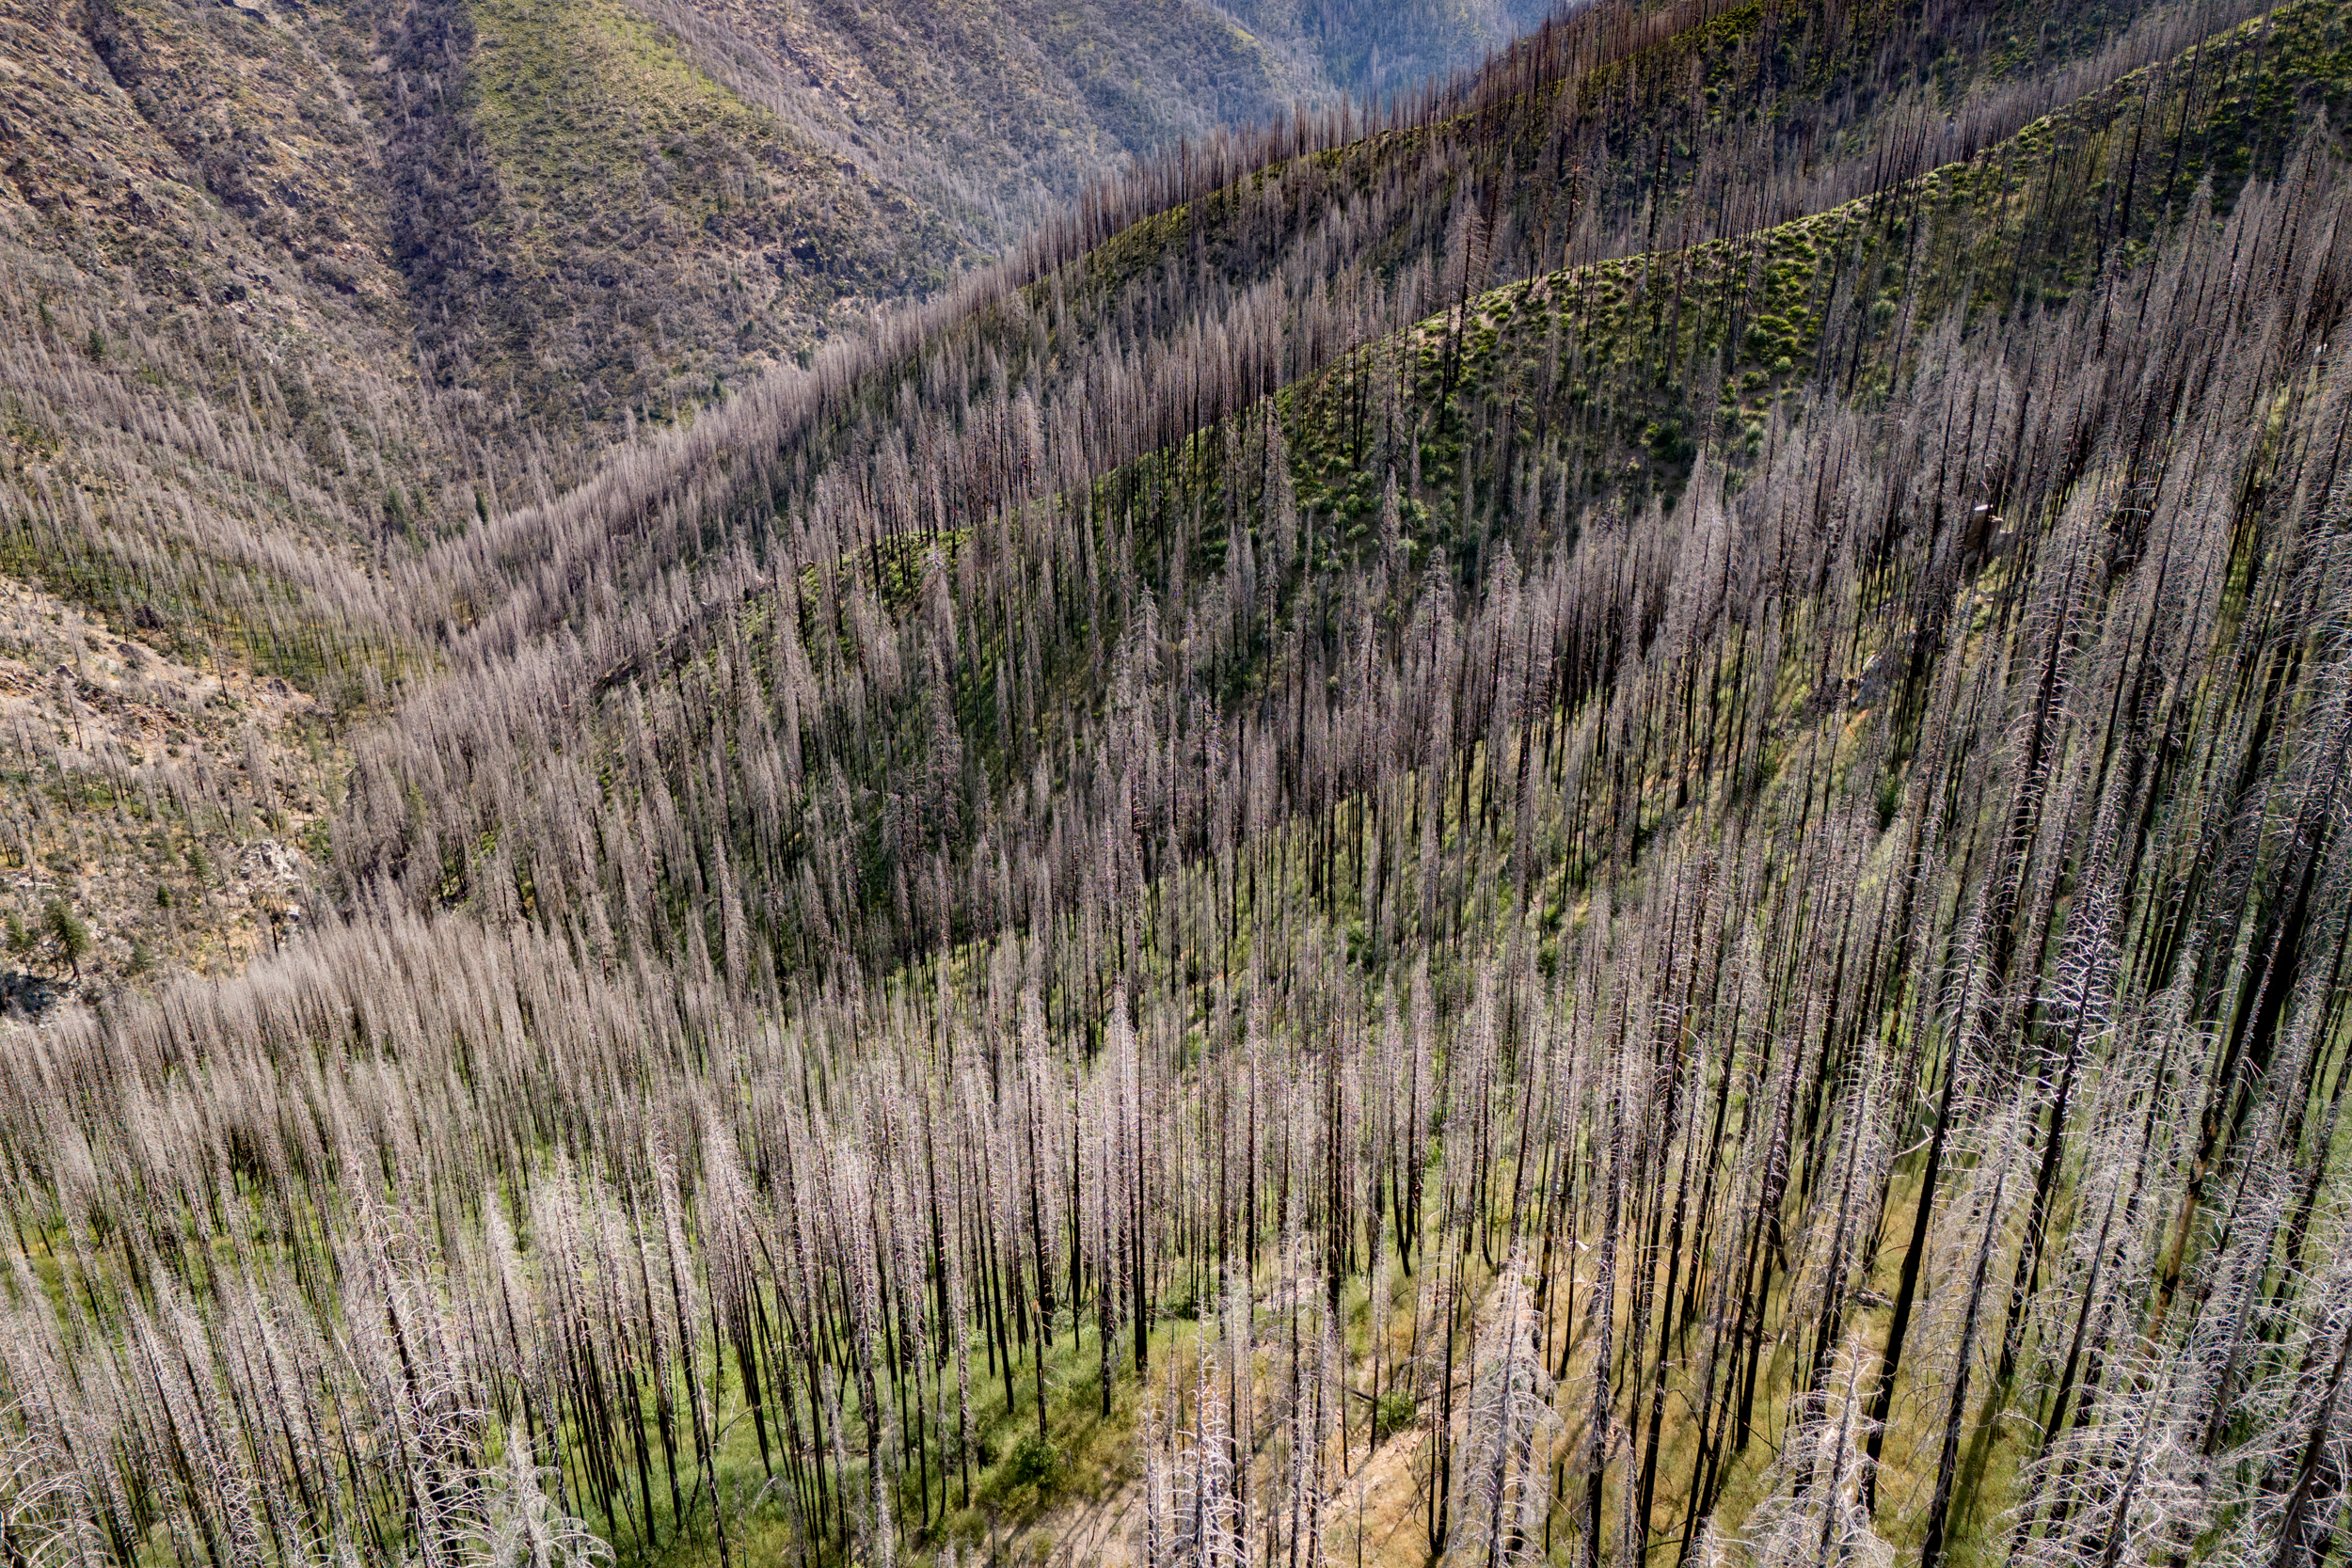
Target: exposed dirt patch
168	806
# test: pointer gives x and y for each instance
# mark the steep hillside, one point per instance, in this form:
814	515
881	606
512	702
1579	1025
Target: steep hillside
175	811
209	396
666	198
290	294
1598	821
1109	367
597	233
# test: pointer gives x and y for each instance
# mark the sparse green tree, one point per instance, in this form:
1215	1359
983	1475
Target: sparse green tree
68	932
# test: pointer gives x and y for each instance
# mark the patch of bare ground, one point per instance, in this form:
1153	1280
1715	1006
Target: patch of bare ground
1374	1519
1375	1516
168	808
1106	1531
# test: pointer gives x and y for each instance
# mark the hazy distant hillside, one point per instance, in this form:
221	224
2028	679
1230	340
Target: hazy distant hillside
615	206
1022	101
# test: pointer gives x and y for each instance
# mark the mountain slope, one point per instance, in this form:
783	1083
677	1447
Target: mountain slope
289	293
1416	849
1650	359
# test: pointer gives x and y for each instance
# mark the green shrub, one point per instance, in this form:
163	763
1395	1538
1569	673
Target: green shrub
1033	1462
1392	1412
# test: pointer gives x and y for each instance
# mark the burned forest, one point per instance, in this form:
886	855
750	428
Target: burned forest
1596	814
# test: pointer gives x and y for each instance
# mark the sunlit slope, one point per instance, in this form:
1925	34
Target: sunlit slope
1505	418
1302	880
1635	896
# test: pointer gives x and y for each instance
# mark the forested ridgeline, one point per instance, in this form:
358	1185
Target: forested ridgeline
1062	455
1695	904
260	366
1575	145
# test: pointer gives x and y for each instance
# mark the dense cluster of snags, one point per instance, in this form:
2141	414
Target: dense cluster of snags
998	920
